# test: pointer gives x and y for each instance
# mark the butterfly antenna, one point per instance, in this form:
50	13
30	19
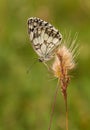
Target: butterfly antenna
29	69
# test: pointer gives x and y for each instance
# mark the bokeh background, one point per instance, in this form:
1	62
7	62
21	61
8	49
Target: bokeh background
25	99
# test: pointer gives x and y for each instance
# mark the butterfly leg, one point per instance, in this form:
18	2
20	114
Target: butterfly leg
47	66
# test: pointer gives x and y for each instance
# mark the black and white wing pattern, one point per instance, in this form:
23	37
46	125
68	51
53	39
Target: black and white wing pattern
44	38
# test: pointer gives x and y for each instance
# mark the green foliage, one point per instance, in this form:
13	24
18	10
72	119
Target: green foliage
25	99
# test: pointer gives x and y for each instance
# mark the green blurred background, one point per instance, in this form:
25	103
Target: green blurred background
25	99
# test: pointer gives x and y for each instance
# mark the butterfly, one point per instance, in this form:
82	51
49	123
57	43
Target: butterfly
44	38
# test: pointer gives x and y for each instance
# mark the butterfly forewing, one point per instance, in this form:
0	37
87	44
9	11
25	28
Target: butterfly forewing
44	37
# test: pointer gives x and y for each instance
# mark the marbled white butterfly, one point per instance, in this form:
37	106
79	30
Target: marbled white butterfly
44	37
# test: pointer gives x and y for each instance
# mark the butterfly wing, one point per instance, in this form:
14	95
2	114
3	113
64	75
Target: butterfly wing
44	37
